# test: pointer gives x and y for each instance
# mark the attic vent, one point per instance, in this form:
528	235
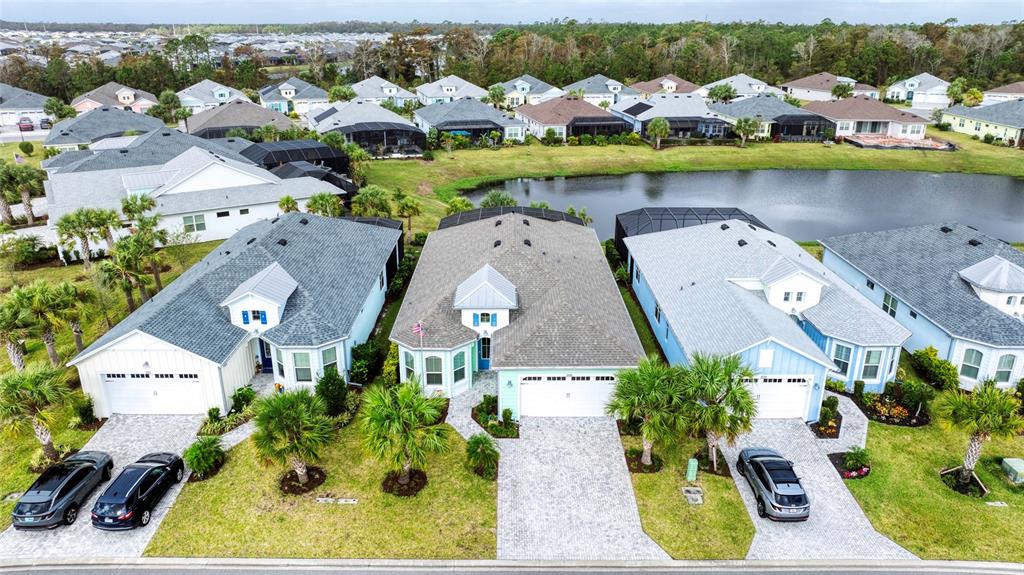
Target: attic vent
945	229
227	252
526	222
497	223
123	151
274	221
497	243
527	243
974	243
742	243
304	221
165	134
751	226
772	244
282	242
725	227
251	240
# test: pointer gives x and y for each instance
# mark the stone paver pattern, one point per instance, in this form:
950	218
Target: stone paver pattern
564	493
460	408
126	438
837	528
852	432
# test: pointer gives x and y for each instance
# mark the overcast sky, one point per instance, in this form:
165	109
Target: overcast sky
508	11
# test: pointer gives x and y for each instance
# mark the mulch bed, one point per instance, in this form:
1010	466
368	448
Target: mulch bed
627	428
501	431
290	481
94	426
838	461
704	463
444	412
909	421
635	466
821	432
417	481
975	488
195	478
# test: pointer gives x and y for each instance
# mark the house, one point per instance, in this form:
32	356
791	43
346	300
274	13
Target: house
778	119
744	86
732	288
293	95
687	115
99	124
1004	121
600	90
527	299
1014	91
207	94
377	130
255	304
234	115
818	87
956	289
569	116
16	104
377	90
667	84
447	89
470	118
114	95
861	115
528	90
923	91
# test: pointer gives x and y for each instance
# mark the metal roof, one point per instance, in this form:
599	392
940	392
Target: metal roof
486	289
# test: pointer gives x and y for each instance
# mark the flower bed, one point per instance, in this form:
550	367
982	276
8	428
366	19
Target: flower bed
827	429
839	462
890	407
634	464
486	414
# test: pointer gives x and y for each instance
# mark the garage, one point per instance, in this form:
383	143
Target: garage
154	393
563	395
781	396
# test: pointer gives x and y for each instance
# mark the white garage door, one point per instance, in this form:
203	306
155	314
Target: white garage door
154	393
564	395
781	397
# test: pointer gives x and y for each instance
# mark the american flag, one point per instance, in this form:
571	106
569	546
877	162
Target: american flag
417	328
18	159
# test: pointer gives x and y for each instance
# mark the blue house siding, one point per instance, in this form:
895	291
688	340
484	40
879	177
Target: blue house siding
890	359
674	352
363	325
816	336
785	361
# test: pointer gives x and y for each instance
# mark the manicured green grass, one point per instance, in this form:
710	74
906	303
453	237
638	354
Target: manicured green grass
907	502
813	248
241	513
643	328
718	529
8	150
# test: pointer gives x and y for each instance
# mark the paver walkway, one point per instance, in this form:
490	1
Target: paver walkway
837	528
853	431
460	408
564	493
126	438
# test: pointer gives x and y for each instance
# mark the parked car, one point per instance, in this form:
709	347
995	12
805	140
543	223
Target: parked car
130	499
776	486
56	496
45	124
25	124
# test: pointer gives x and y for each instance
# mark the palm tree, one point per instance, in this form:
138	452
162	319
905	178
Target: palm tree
267	133
27	399
130	253
325	204
79	299
136	205
358	162
458	204
651	394
43	305
716	401
496	199
984	413
341	93
27	180
407	208
6	183
658	128
722	93
150	237
287	204
105	222
496	95
399	426
292	428
77	228
372	201
746	127
13	327
116	273
840	91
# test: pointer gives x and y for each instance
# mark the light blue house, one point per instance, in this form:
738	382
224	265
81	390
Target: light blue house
955	288
293	95
734	288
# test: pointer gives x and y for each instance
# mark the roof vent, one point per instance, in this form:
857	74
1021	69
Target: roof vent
751	226
527	243
497	243
282	242
725	227
742	243
227	252
945	229
165	134
251	240
526	222
772	244
974	243
304	221
123	151
497	223
274	221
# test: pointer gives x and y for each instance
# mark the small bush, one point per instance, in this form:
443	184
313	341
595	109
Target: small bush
360	371
506	415
869	399
622	275
204	456
74	422
389	373
937	371
856	458
489	404
482	455
333	390
84	411
988	138
428	155
832	402
369	353
573	140
835	385
826	414
587	140
26	148
242	397
916	394
419	239
213	414
858	390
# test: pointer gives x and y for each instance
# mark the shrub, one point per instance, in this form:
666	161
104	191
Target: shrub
506	415
916	394
634	139
28	250
858	390
359	372
332	389
84	411
389	373
832	402
587	140
943	126
835	385
937	371
405	269
573	140
419	239
213	414
988	138
856	458
428	155
26	148
369	352
622	274
826	414
242	397
482	455
601	140
869	399
204	456
74	422
611	253
489	404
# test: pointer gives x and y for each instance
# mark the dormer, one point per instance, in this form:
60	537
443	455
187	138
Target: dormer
389	89
448	89
258	303
668	86
789	287
614	87
125	96
999	283
485	300
287	90
912	84
222	94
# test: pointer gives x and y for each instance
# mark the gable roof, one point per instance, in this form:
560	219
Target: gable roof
824	82
373	87
537	86
18	100
272	283
1013	88
334	262
666	106
204	90
463	89
356	115
1006	113
570	312
862	108
997	274
486	289
237	114
921	266
598	84
303	91
106	95
562	111
764	106
744	85
98	124
464	112
149	149
925	82
655	86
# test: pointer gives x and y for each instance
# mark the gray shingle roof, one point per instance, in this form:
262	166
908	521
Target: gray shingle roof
537	86
598	84
344	114
334	261
106	95
99	124
1006	113
744	85
666	106
463	89
155	148
464	111
18	100
925	82
303	91
203	91
373	87
760	106
570	312
237	113
920	265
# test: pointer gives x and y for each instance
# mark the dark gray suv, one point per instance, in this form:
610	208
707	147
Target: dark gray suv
55	498
776	487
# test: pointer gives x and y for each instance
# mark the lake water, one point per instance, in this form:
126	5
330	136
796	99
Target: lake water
801	204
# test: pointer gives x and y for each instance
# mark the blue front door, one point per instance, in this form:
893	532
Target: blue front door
484	344
265	357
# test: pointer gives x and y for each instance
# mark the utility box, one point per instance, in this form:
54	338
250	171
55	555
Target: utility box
1014	469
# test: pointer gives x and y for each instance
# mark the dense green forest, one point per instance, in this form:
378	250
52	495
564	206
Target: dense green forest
565	51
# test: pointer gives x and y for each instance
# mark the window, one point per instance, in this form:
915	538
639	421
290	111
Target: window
485	348
485	318
1005	368
556	378
434	370
459	366
657	313
188	376
380	281
280	362
961	122
843	126
580	378
889	304
1011	300
841	357
787	296
243	212
972	363
913	314
163	375
223	214
871	285
410	366
302	370
872	361
329	358
604	378
194	223
799	296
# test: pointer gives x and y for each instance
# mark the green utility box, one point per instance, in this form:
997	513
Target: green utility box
1014	468
691	470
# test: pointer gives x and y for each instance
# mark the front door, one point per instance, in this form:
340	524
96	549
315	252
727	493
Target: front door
485	352
266	360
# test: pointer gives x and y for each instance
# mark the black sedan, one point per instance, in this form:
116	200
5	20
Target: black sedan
55	498
130	499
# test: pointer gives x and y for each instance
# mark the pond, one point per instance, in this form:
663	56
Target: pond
801	204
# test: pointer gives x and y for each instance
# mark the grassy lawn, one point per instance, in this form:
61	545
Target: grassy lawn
448	174
241	513
907	502
8	150
718	529
643	328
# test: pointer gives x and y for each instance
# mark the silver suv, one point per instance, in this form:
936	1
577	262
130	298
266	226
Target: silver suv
776	487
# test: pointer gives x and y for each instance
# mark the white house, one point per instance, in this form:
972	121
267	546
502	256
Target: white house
254	305
470	118
667	84
448	89
1009	92
864	116
744	86
922	91
293	95
377	90
687	115
526	89
207	94
818	87
600	89
16	104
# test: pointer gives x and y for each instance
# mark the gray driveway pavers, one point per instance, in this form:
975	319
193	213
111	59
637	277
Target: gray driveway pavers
564	493
126	438
837	528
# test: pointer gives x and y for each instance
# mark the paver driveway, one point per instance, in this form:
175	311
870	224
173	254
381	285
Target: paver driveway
837	528
126	438
564	493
